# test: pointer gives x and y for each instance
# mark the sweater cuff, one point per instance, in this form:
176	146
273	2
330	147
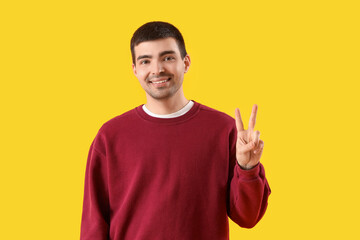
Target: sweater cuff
247	174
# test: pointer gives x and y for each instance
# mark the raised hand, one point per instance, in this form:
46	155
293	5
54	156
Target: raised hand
249	147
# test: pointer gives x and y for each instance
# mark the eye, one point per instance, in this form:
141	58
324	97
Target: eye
169	58
144	61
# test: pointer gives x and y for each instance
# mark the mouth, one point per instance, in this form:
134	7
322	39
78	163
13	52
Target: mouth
160	82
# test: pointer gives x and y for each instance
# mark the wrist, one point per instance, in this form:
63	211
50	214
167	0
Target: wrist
245	167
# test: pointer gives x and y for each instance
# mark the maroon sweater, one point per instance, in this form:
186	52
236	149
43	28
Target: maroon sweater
169	178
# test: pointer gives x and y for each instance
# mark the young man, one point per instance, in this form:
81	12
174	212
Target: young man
171	168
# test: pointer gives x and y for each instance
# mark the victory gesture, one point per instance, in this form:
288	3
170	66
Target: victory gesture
249	147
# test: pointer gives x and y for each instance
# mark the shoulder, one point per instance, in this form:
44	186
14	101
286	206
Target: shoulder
126	116
216	115
110	129
119	121
216	118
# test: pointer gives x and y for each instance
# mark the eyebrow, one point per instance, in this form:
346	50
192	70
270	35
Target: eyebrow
160	54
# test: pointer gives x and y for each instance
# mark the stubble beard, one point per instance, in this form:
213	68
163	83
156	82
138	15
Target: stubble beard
161	93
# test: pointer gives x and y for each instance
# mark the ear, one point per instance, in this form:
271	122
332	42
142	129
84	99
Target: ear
187	62
134	69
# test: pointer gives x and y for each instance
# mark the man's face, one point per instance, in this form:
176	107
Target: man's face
160	60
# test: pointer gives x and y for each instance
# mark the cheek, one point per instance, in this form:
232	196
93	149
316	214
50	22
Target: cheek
141	75
179	69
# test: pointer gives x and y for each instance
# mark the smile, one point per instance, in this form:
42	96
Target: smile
158	82
161	81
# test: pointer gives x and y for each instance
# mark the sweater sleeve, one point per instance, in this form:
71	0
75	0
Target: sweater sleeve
95	221
248	190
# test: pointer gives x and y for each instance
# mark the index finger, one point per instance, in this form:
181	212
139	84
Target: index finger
253	117
238	121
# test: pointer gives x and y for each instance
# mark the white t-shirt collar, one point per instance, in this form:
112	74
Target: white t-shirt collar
171	115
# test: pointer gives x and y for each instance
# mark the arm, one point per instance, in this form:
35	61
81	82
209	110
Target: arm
95	221
248	190
248	195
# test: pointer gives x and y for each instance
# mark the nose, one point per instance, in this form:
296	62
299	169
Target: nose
157	68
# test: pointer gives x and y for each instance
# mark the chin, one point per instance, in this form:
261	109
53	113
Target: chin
159	96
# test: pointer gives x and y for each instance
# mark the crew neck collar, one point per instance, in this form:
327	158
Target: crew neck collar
189	114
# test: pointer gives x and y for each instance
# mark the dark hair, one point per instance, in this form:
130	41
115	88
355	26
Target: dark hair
157	30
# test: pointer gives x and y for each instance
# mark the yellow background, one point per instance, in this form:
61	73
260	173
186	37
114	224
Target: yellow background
65	68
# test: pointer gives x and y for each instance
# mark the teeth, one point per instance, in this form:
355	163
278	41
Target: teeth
160	81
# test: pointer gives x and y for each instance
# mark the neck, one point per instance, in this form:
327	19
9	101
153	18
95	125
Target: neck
166	105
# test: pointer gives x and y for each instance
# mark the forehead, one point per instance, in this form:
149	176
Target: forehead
156	46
